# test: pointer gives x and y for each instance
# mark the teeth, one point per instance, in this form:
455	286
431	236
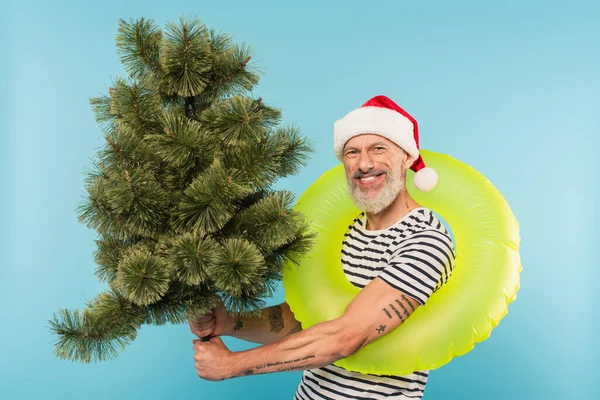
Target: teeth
370	178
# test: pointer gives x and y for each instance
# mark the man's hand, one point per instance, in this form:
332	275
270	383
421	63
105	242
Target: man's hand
213	360
211	324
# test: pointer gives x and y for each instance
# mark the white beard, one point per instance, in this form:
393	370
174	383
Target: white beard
392	187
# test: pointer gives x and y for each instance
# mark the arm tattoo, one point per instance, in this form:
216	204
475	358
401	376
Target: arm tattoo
289	365
295	329
307	366
381	329
403	297
404	310
394	309
387	313
276	319
238	325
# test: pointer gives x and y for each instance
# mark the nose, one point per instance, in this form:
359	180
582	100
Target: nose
365	161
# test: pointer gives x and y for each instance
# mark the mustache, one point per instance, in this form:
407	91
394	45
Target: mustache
359	174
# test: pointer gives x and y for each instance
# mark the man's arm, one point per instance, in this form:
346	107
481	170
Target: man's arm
375	311
274	323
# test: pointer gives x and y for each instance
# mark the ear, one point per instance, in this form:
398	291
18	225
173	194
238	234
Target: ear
408	161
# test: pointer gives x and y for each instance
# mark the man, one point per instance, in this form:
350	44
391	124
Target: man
396	251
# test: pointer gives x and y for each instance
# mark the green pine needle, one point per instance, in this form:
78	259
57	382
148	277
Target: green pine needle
96	212
189	256
199	300
143	277
181	303
97	333
186	57
220	42
293	150
81	339
183	143
269	223
238	268
140	201
138	45
233	72
101	106
256	163
136	106
210	200
240	120
166	312
243	306
293	252
107	256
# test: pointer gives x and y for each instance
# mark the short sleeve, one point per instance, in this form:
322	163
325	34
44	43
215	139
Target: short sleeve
421	265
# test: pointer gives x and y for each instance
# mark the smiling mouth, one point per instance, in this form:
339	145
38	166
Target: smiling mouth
369	178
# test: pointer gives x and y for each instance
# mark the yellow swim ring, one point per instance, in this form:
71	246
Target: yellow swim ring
456	317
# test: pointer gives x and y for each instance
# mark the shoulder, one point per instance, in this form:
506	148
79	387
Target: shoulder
427	220
424	227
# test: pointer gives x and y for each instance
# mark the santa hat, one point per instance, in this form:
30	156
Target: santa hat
381	116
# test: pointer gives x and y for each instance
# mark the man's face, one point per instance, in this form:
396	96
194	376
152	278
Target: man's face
375	171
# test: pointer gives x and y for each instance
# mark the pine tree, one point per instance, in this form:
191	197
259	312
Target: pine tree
181	193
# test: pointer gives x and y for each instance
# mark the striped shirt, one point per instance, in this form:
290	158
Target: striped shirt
415	256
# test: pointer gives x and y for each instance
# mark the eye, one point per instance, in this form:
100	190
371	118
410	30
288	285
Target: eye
379	149
350	153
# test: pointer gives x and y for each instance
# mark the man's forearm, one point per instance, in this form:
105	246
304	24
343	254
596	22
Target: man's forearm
315	347
274	323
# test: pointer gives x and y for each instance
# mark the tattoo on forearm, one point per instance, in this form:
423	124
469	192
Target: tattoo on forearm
276	319
403	297
249	372
381	329
404	310
238	325
395	310
295	329
387	313
288	364
307	366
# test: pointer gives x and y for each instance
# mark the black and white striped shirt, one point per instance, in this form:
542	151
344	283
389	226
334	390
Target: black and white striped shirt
416	256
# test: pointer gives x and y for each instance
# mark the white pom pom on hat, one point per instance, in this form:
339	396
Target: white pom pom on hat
425	179
381	116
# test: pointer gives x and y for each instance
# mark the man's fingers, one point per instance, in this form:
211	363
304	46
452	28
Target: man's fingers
203	334
203	318
197	344
205	326
195	325
203	330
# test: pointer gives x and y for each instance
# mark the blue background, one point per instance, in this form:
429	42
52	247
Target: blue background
510	87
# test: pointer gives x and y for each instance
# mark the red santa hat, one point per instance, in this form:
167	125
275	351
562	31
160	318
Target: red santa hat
381	116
